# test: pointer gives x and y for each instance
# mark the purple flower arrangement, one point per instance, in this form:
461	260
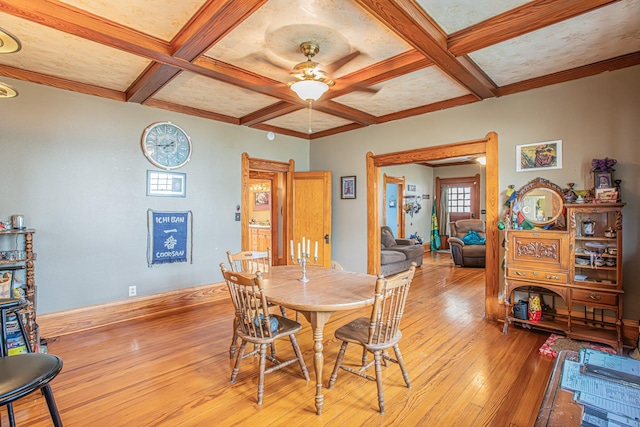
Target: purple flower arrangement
602	164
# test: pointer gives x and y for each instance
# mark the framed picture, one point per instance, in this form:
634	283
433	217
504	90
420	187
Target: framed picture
606	195
166	184
540	155
602	179
261	201
348	186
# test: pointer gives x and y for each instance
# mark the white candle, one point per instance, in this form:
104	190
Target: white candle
291	248
298	250
308	247
316	253
303	245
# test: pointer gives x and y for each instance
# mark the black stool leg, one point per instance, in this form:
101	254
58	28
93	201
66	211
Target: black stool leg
51	403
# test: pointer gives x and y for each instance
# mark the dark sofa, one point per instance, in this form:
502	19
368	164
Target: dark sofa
396	255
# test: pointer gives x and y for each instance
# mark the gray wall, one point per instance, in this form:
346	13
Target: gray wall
595	117
73	165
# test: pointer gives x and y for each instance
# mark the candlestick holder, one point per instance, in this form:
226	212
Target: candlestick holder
302	261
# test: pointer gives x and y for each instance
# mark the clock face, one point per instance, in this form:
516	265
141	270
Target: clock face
166	145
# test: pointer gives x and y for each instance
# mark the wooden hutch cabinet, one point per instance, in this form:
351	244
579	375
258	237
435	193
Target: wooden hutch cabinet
577	271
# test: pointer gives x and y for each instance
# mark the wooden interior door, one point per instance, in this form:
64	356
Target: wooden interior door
311	213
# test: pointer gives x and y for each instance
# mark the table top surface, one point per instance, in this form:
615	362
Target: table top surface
558	407
326	290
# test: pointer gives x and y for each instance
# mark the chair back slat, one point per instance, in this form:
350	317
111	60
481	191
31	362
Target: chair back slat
388	306
247	295
250	261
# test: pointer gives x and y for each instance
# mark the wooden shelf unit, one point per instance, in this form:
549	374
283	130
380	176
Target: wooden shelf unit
546	260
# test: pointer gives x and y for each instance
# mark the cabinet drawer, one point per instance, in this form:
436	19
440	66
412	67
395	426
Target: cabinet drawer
537	275
587	296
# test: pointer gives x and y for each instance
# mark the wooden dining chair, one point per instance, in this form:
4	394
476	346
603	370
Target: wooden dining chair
254	324
248	262
379	332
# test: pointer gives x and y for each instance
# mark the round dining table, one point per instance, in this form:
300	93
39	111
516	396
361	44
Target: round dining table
326	292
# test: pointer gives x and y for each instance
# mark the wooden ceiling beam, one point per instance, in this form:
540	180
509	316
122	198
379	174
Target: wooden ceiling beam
407	20
442	105
516	22
154	78
347	113
156	103
214	20
281	131
336	130
271	112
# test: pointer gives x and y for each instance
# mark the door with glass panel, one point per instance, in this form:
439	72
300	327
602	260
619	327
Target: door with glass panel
459	198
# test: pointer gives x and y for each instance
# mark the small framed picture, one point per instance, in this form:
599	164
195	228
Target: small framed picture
261	201
602	179
540	155
606	195
166	184
348	187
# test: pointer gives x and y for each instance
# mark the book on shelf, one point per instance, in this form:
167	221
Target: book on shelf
610	367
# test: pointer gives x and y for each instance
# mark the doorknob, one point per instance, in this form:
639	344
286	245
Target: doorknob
326	238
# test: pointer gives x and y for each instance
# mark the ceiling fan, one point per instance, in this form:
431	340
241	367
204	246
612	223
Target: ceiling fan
311	81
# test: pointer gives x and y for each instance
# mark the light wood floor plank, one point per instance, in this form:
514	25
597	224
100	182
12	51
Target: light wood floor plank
174	370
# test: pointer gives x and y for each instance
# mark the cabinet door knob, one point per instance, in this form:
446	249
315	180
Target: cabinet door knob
594	297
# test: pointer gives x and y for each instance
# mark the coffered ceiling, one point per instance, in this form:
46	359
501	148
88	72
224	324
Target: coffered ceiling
229	60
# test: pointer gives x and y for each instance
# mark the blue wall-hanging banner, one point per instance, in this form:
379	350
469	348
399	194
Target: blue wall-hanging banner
169	237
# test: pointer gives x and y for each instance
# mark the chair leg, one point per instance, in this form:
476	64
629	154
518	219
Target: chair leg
12	420
296	348
336	368
378	358
405	374
51	403
234	340
236	366
263	357
365	353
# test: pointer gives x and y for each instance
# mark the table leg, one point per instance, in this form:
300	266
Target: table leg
318	320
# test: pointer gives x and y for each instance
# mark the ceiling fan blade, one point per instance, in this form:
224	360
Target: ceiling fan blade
333	67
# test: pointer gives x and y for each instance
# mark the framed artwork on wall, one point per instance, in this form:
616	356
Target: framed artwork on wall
348	187
262	201
538	156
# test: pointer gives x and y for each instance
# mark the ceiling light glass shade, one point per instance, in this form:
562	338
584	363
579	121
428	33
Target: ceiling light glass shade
309	89
8	42
481	160
7	91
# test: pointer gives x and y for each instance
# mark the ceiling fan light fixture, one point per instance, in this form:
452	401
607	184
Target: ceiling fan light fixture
309	89
7	91
8	42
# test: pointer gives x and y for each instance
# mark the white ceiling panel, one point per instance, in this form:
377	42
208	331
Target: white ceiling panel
421	87
456	15
596	36
299	121
272	36
51	52
159	18
195	91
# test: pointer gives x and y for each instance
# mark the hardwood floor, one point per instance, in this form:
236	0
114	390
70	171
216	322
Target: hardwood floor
174	370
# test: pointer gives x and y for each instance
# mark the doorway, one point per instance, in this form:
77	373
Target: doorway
456	198
392	201
487	146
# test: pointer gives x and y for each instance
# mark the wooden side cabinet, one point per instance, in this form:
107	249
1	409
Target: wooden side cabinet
260	238
582	267
17	258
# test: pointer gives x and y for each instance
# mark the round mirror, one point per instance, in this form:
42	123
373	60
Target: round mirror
541	202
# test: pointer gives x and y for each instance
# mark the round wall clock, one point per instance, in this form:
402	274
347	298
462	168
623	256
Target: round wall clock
166	145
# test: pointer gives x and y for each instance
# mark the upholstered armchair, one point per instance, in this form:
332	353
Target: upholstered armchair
467	242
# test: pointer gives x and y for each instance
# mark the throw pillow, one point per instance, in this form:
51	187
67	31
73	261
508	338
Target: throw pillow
473	238
273	322
387	239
